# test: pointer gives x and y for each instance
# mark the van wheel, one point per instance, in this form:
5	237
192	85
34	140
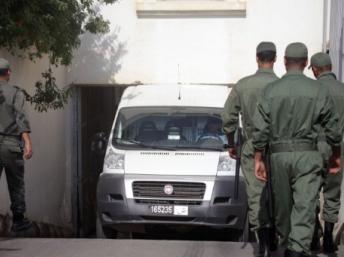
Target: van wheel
103	231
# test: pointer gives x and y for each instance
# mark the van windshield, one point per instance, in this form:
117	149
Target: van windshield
169	128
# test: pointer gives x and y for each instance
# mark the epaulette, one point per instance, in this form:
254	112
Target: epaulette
18	89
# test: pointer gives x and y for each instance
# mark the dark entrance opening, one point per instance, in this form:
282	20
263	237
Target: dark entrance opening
96	107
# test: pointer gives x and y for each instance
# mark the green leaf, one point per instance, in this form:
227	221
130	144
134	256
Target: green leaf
50	27
47	94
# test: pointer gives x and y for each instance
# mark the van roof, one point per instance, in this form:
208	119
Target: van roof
168	95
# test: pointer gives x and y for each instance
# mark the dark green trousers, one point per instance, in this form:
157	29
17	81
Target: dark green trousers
331	186
11	160
331	191
296	178
257	209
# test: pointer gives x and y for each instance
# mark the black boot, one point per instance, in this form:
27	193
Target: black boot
290	253
315	245
328	244
272	240
20	223
262	238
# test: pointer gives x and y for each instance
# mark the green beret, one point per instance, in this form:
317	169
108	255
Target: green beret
296	50
320	60
266	46
4	64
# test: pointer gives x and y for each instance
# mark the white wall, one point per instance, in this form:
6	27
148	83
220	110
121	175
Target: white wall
207	50
46	177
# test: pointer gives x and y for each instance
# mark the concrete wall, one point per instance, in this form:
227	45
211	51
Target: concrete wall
207	50
336	30
46	174
337	55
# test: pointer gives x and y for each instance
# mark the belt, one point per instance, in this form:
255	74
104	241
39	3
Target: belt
9	135
6	139
293	147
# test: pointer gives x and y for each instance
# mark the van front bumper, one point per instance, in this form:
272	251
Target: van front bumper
221	211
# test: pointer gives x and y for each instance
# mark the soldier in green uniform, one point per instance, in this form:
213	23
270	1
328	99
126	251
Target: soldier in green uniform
288	120
243	100
321	66
15	144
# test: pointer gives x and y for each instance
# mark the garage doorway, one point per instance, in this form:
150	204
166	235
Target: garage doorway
95	110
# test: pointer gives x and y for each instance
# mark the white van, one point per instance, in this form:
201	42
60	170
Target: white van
166	162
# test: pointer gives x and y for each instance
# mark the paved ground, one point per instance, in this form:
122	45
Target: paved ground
124	248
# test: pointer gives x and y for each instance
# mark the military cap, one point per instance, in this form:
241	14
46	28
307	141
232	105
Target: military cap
320	60
296	50
266	46
4	64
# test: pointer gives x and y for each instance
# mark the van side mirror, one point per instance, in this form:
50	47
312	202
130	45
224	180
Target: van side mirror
99	143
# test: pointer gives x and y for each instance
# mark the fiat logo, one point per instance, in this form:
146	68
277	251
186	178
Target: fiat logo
168	189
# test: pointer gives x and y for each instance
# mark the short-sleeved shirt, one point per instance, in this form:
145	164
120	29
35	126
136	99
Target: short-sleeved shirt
294	108
13	119
243	99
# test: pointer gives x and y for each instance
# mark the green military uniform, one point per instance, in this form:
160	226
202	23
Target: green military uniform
243	100
332	182
13	122
292	111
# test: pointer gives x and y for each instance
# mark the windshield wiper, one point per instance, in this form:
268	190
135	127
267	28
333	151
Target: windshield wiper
138	143
200	148
127	141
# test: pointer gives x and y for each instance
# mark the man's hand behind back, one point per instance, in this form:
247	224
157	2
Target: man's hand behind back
259	167
335	161
232	153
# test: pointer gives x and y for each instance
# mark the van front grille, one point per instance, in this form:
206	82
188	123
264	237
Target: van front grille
167	202
180	190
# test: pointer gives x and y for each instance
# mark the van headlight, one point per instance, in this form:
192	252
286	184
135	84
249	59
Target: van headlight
114	162
226	165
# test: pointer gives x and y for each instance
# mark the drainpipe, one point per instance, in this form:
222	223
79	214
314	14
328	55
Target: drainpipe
340	63
325	25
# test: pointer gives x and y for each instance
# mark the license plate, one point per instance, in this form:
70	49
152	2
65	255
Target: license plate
178	210
181	210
